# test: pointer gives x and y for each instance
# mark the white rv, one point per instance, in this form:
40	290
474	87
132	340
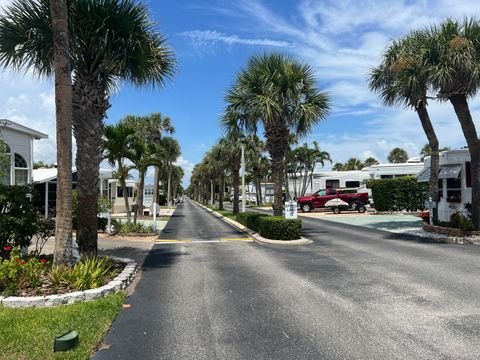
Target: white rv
391	171
454	182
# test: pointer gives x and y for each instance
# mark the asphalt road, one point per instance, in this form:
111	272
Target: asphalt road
354	293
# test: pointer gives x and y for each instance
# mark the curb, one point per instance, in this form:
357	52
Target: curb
119	283
256	237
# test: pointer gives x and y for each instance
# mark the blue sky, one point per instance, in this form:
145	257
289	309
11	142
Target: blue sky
214	39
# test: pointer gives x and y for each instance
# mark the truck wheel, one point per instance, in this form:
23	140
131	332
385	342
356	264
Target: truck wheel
306	207
362	209
336	210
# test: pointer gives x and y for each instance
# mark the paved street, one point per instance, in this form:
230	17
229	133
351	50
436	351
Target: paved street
355	293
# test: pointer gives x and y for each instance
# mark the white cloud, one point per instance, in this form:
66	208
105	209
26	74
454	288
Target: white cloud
204	38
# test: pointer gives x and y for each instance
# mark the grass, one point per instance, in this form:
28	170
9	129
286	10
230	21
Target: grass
29	333
225	213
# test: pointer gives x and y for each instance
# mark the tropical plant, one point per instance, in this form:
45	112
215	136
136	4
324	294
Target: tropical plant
403	79
427	151
370	162
279	93
172	152
397	156
116	150
111	41
337	167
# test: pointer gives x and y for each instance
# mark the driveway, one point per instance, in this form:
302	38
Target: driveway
355	293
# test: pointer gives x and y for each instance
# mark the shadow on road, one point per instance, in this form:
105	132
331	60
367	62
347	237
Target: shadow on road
161	258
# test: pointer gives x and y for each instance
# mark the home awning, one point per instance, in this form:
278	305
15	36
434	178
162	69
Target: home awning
424	175
449	171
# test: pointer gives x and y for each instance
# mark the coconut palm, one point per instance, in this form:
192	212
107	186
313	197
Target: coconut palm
403	79
353	164
111	41
279	93
63	104
116	150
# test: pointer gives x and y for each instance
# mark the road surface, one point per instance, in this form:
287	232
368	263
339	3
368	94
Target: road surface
354	293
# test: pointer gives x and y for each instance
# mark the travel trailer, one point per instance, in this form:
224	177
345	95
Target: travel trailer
454	182
391	171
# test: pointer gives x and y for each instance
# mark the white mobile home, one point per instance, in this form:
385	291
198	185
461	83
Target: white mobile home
115	194
18	168
45	183
454	182
391	171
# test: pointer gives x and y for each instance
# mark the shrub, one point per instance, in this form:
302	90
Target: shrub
17	215
459	221
279	228
250	219
132	228
45	229
89	273
404	193
17	273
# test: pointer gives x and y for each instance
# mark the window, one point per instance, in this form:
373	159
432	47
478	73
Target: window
322	192
332	184
386	177
21	170
120	191
352	184
454	189
440	188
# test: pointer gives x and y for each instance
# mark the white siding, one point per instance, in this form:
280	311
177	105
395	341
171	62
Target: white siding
21	144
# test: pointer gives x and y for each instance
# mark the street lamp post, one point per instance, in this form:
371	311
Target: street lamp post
244	196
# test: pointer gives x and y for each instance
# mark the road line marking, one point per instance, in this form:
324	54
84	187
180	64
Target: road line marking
236	239
171	241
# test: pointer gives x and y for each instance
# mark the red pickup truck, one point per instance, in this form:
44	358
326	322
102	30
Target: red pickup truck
355	200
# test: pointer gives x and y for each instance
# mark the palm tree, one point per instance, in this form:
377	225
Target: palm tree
116	150
427	151
117	42
403	79
338	167
370	162
63	103
281	94
231	154
353	164
452	57
397	156
172	152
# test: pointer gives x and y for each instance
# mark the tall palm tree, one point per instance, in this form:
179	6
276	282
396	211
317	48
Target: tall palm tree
452	57
230	146
63	104
281	94
403	79
338	167
116	150
111	41
353	164
427	150
172	152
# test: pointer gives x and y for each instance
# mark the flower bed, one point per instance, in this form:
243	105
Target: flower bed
34	281
449	231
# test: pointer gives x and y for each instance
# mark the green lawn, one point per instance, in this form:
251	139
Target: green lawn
224	213
29	333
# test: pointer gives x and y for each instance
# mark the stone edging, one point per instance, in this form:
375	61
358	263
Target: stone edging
448	231
257	238
120	282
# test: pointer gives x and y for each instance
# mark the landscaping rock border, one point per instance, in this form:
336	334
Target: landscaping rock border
256	237
120	282
449	231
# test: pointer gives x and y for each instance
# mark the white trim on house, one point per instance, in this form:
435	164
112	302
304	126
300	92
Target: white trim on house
9	124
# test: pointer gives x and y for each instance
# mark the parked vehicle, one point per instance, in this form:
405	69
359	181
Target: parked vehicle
319	199
251	198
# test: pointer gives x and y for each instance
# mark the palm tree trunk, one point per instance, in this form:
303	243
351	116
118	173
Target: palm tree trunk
141	186
63	104
221	190
90	104
464	116
156	179
277	145
435	155
169	198
123	184
260	200
236	190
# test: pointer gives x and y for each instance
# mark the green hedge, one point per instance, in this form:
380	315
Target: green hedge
279	228
404	193
250	219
